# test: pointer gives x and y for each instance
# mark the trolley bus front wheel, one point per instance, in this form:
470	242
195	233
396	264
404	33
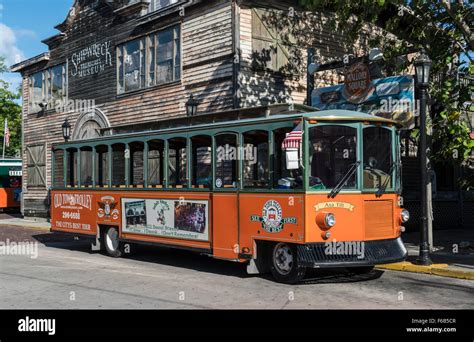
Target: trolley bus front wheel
284	264
113	246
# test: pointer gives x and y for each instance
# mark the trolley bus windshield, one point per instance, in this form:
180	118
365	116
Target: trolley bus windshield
335	153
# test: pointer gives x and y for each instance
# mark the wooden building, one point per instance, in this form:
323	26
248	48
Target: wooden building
125	62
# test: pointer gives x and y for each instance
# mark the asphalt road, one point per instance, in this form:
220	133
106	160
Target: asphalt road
66	275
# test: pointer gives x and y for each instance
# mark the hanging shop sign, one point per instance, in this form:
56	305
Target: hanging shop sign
357	85
91	60
390	98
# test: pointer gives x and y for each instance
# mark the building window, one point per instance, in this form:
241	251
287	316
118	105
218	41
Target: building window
132	65
36	92
168	56
156	5
149	61
57	83
36	165
48	86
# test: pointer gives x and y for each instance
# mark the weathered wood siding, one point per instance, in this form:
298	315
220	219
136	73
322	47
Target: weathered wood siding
263	87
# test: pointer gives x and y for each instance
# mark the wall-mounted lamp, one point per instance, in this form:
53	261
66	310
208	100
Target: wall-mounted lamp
191	106
66	127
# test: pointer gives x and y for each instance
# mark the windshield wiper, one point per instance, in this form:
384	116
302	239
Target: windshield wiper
344	179
383	187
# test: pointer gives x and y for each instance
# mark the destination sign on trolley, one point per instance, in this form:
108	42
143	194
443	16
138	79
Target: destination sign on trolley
15	173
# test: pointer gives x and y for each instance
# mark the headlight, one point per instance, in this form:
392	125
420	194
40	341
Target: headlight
405	215
330	220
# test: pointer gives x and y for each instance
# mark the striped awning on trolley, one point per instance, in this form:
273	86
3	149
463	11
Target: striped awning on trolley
293	139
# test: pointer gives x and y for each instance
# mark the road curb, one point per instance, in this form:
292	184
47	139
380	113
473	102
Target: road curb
442	270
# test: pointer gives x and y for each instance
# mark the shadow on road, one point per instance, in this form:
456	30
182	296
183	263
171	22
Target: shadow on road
203	263
339	276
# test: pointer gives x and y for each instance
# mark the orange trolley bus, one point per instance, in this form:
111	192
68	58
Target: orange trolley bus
280	188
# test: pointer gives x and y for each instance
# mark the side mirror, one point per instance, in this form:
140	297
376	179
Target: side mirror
292	159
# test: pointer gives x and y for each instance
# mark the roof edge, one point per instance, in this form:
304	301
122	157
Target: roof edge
30	62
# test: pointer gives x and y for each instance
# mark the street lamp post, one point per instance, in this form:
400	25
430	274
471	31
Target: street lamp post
422	73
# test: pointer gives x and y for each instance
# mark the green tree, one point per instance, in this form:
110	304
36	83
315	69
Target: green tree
10	110
442	28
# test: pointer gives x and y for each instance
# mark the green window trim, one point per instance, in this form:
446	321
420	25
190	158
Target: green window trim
270	128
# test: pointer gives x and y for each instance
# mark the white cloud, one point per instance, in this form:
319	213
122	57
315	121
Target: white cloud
8	46
11	52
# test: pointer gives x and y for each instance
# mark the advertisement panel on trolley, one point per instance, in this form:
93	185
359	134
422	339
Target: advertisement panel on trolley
164	217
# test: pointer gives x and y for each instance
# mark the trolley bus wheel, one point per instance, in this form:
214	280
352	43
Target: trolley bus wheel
284	264
113	247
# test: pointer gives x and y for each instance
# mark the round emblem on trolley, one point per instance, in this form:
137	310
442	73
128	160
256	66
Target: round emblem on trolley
272	217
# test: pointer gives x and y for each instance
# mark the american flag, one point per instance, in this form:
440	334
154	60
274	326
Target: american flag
7	134
293	139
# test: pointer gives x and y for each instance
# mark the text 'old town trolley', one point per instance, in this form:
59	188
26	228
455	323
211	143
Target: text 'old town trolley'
282	189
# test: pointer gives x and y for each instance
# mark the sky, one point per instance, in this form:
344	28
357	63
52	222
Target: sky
23	25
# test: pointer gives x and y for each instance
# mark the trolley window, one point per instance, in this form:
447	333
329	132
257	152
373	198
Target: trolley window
226	161
255	159
177	163
201	147
378	159
332	155
156	152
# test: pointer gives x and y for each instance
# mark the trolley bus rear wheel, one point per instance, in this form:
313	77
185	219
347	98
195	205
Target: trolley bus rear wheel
113	246
284	264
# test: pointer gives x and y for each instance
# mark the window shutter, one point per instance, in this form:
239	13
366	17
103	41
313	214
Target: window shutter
266	43
36	165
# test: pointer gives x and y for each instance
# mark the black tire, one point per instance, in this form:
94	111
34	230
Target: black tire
283	260
361	269
113	247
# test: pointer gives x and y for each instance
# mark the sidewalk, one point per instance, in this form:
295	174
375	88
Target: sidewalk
17	220
452	256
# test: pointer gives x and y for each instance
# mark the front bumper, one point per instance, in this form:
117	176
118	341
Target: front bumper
351	253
